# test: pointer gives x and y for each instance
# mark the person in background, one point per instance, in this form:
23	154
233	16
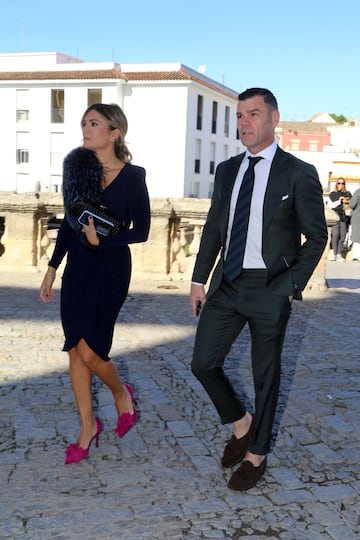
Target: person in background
98	269
355	225
264	200
337	201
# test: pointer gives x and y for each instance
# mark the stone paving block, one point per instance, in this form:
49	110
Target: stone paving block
342	533
195	449
308	534
244	501
335	492
205	465
11	528
297	495
180	428
303	435
337	423
167	412
323	453
205	506
324	514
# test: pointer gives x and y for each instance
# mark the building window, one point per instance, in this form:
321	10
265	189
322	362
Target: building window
22	156
227	121
22	115
214	117
22	147
199	117
313	146
22	105
212	158
197	155
94	96
57	106
56	149
295	144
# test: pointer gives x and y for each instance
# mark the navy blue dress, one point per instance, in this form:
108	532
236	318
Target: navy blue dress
96	281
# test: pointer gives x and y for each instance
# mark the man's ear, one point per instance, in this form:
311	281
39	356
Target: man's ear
275	117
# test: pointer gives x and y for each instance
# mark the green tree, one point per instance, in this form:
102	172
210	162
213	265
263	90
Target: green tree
339	118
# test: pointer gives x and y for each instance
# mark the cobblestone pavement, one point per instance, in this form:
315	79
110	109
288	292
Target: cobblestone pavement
163	480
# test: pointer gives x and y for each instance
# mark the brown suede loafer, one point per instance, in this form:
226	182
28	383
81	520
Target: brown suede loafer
246	476
235	449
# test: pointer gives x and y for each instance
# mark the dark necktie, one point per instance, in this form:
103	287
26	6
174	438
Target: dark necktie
235	255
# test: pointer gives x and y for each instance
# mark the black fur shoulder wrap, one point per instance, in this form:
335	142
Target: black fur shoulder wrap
82	177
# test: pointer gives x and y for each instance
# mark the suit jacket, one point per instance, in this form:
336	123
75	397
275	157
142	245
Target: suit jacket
293	205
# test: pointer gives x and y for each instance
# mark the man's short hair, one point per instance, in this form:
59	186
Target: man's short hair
267	96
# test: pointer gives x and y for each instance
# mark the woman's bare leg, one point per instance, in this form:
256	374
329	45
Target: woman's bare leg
108	374
81	376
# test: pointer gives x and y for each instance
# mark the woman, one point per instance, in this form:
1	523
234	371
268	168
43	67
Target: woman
355	224
97	274
337	200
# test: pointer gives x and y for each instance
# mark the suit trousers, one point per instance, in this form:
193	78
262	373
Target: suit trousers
224	315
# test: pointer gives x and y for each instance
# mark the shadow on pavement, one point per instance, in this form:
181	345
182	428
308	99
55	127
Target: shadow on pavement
340	283
164	479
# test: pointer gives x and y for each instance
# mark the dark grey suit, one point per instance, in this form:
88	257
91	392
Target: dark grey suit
293	206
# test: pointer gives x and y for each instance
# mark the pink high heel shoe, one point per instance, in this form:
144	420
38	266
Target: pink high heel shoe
75	454
126	420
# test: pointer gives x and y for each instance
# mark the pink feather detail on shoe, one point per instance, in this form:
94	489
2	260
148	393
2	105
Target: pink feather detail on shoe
126	420
75	454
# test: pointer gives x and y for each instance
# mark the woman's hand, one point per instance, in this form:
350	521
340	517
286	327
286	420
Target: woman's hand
90	232
46	291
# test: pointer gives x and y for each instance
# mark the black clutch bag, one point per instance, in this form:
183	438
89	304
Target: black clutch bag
106	223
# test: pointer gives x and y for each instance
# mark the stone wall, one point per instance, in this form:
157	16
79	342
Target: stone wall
169	253
176	226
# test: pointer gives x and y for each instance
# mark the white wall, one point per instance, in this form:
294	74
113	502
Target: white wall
157	132
7	139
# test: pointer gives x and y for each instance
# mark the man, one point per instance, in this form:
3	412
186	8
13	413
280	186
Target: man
261	268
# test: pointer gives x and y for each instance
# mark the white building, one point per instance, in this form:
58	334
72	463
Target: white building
181	123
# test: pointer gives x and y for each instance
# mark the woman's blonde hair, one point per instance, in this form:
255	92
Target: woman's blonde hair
116	119
342	184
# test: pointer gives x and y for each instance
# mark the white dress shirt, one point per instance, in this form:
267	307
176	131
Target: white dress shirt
253	248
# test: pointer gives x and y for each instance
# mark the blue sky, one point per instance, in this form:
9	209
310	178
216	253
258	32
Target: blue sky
307	53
